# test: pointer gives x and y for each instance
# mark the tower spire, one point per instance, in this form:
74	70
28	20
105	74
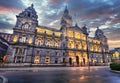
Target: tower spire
32	5
66	19
97	27
66	10
76	24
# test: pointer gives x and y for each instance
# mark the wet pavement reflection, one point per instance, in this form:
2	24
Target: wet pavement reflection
0	80
63	75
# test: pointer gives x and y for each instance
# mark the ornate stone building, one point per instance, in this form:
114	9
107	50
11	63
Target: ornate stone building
31	43
115	53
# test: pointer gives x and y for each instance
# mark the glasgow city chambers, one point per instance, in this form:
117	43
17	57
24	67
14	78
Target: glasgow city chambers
71	44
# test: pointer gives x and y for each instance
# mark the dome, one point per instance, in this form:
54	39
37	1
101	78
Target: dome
84	29
77	27
99	33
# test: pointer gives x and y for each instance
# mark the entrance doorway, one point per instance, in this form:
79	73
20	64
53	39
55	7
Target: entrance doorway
77	60
56	60
70	61
63	60
19	59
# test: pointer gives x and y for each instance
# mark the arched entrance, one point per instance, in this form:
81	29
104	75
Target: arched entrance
77	60
56	60
19	59
63	60
70	61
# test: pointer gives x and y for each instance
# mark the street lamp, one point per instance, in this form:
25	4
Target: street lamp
32	57
86	31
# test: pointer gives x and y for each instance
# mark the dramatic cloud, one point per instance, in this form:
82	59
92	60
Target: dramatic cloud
93	13
8	11
11	4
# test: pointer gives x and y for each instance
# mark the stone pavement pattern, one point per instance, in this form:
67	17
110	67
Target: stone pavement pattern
62	75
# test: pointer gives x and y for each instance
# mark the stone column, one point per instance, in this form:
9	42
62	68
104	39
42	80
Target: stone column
15	59
24	60
13	55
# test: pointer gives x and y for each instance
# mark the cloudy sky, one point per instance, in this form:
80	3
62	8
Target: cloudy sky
93	13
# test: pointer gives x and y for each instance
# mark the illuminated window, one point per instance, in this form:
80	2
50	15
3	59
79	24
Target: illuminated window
40	30
49	42
84	45
57	33
71	44
99	48
15	38
70	33
39	41
71	53
49	32
47	58
37	59
95	48
57	42
83	36
78	45
116	55
77	35
30	40
91	47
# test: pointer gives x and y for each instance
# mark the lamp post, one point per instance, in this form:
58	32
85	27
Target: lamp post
32	57
87	50
103	57
86	31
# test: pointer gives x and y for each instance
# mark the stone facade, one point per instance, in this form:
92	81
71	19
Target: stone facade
115	53
31	43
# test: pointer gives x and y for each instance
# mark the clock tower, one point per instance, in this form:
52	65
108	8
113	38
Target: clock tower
24	34
27	19
25	26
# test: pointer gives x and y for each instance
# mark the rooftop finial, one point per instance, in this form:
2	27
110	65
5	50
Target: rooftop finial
76	24
97	27
32	5
66	9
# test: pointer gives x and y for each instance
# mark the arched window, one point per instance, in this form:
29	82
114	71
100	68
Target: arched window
77	46
23	38
15	38
20	51
84	45
71	44
56	43
39	41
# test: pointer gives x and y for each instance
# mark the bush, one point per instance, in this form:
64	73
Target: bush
115	66
113	60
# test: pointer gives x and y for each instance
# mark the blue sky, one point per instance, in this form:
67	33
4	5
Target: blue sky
93	13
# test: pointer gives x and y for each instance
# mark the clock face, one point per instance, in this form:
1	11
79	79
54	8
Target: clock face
25	26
